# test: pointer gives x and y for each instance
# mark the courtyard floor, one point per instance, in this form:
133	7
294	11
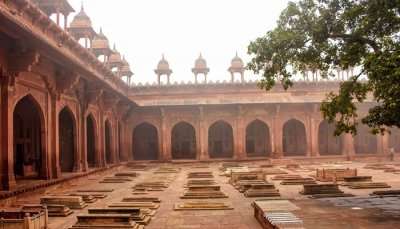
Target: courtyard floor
355	212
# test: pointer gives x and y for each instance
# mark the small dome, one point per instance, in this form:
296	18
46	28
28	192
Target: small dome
125	68
237	62
81	20
100	41
163	64
200	63
114	60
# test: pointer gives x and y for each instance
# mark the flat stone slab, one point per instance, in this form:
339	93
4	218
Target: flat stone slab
202	206
275	205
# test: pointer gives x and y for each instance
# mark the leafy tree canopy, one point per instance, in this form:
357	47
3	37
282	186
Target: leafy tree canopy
331	34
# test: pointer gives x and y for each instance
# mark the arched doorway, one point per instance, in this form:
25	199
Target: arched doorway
107	141
328	143
28	139
294	138
394	139
220	140
183	141
365	142
145	142
67	147
258	141
91	141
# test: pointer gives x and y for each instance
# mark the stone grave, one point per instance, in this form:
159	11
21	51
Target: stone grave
393	192
280	220
331	175
323	191
88	198
203	192
244	185
101	221
285	177
96	195
149	205
73	202
298	181
167	170
262	190
200	182
202	205
136	214
116	179
238	176
142	199
126	174
368	185
195	175
101	190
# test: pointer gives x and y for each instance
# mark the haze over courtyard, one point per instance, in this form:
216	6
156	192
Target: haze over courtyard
143	30
99	127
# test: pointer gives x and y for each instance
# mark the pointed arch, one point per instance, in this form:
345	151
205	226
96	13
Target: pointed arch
183	141
29	139
220	140
258	141
67	140
328	143
294	138
145	142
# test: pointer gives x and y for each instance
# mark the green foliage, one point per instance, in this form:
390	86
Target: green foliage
329	34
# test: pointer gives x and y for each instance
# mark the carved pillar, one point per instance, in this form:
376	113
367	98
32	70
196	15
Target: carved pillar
53	131
239	136
166	138
6	129
82	127
203	132
101	134
277	132
314	137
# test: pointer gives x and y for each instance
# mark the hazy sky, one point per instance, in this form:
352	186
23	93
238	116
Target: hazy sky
181	29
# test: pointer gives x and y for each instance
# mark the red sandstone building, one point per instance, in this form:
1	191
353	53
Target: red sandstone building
68	107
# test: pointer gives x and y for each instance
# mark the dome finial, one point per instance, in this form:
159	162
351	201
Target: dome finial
115	47
82	7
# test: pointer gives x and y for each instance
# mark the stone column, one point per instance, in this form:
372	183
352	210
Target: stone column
166	138
203	131
6	140
54	130
314	137
277	132
101	142
82	127
239	137
50	161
